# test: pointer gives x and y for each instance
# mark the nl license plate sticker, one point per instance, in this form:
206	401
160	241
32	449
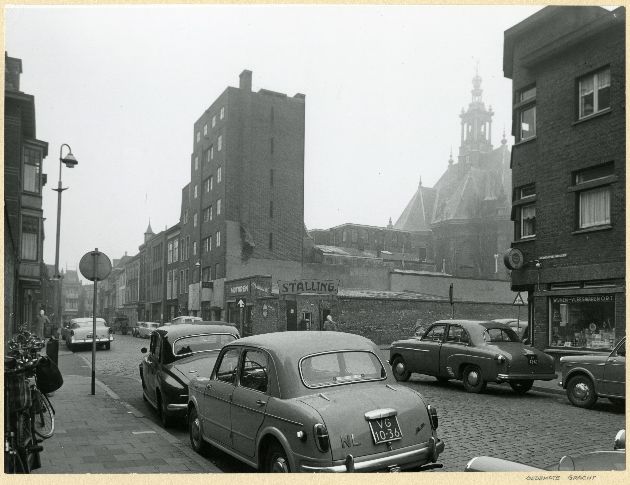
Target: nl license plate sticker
385	429
532	359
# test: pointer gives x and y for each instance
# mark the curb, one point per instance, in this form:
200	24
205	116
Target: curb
205	464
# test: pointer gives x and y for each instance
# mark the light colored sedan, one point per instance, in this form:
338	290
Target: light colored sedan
311	402
145	329
80	332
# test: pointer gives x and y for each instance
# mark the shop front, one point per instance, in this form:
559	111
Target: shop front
242	299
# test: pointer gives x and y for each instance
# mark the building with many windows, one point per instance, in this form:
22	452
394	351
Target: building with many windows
567	66
24	179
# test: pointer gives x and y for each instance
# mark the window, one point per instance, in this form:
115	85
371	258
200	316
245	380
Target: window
30	238
255	371
219	175
526	110
526	191
185	216
594	93
270	241
594	199
214	121
196	162
206	214
32	162
205	129
207	155
435	333
205	274
195	219
196	191
457	335
169	254
338	368
198	136
210	208
194	248
226	371
218	238
528	221
222	112
211	152
584	321
219	207
208	183
187	249
181	279
220	142
207	244
175	250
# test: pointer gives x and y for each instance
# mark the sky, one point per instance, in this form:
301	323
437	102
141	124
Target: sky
123	85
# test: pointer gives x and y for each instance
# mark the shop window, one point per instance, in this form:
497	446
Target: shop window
585	321
526	113
30	238
594	93
32	163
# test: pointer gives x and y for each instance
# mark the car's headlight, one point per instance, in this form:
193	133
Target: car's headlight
500	358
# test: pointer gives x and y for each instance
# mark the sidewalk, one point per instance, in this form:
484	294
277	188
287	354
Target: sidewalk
548	387
102	434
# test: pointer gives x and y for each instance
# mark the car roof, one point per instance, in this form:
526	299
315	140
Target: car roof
87	319
472	323
301	343
184	329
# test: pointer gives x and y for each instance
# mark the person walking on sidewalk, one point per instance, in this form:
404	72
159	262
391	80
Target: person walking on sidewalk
330	324
40	322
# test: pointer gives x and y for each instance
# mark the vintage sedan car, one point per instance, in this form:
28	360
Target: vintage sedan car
607	460
477	352
310	401
145	329
79	333
185	319
519	326
587	377
176	354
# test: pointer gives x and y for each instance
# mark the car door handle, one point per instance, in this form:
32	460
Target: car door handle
260	402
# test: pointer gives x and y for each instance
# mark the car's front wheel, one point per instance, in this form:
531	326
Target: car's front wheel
277	461
194	431
521	387
581	391
473	380
399	368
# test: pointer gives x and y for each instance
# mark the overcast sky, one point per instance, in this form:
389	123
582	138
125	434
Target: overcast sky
123	85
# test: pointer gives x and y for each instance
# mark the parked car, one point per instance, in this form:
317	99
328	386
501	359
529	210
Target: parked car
310	401
519	326
79	333
476	352
587	377
146	328
120	324
175	355
185	319
608	460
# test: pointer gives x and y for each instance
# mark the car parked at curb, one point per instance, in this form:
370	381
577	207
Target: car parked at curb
588	377
185	319
474	351
310	401
80	333
175	355
145	329
607	460
519	326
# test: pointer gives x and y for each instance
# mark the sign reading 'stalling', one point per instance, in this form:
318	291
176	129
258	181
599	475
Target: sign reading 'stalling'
327	287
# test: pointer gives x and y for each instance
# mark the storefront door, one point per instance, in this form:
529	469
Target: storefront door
291	315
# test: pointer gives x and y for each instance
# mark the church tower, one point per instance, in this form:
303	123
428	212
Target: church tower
476	129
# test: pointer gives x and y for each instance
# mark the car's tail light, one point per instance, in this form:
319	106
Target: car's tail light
500	358
433	417
110	330
321	437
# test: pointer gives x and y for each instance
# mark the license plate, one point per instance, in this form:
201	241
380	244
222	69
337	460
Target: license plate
385	429
532	359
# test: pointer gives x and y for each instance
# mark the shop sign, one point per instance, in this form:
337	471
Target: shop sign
553	256
583	299
239	289
295	287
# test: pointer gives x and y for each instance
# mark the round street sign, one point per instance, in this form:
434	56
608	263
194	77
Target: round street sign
95	266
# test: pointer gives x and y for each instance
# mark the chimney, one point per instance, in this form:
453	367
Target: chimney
245	80
12	71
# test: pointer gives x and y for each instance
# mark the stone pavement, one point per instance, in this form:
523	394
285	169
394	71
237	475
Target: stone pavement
102	434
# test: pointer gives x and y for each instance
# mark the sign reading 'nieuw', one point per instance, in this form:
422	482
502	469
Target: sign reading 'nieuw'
308	286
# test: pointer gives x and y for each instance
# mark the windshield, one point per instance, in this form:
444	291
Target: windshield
86	323
336	368
201	343
500	335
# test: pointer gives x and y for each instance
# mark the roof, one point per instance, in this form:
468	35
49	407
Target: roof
175	331
299	344
417	214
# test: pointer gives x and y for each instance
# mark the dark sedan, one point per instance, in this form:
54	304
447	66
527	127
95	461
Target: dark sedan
176	354
476	352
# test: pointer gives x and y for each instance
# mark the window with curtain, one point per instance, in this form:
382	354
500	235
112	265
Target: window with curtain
32	163
30	238
528	220
526	112
594	207
594	93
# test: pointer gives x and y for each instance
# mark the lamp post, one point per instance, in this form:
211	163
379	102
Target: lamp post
69	162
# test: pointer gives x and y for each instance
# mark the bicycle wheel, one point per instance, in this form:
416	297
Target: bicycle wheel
43	418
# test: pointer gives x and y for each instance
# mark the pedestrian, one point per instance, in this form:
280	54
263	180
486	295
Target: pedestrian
40	323
329	323
302	324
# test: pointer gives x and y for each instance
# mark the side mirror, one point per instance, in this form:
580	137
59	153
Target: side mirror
143	350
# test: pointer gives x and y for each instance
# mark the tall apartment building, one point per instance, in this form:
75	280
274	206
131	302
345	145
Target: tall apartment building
244	213
24	268
567	66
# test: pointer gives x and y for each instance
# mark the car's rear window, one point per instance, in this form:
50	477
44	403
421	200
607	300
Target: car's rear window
500	335
201	343
335	368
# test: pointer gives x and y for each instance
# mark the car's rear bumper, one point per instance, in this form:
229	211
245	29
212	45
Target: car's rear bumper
79	341
526	377
406	459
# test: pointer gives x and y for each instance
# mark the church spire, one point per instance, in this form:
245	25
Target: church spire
476	129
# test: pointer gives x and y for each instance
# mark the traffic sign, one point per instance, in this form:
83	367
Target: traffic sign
241	303
95	265
518	300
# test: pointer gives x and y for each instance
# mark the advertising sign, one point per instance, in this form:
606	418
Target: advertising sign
326	287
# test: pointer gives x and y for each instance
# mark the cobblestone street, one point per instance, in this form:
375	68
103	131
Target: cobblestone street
537	428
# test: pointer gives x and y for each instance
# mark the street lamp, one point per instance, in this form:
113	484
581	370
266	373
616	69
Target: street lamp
69	162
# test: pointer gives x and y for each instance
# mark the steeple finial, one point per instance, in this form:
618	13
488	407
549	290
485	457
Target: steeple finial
390	225
420	183
503	140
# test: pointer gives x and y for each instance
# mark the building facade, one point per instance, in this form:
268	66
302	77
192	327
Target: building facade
567	66
23	215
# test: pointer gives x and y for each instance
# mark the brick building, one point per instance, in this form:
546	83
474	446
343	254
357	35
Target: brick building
567	66
24	154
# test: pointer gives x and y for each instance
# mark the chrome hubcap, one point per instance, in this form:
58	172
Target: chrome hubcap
581	391
400	368
473	378
280	465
